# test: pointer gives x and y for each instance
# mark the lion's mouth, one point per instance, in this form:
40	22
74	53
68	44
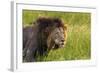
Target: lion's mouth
59	46
56	46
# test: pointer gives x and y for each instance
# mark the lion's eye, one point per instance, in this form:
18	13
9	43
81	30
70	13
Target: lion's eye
56	34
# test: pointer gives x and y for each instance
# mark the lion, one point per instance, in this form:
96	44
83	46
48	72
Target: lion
45	34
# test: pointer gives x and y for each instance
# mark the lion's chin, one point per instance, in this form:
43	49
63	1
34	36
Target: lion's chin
61	46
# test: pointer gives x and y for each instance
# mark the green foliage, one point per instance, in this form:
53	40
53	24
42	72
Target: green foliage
78	46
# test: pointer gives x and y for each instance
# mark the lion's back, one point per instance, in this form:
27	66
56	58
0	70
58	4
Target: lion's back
29	34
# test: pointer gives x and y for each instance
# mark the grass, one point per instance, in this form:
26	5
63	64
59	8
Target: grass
78	46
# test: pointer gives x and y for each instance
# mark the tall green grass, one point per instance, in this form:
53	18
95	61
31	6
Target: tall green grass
78	46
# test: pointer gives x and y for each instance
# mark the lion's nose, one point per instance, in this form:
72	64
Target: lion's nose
62	40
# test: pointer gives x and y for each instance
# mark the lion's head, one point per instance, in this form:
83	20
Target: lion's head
57	38
53	32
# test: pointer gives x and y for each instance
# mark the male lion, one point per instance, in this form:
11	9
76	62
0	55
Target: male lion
46	33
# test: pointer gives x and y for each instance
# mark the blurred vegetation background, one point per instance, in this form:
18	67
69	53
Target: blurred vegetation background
78	46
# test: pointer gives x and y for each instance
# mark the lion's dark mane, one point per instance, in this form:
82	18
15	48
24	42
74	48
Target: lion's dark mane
48	22
35	37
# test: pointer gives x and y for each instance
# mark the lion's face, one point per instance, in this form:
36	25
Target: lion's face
57	38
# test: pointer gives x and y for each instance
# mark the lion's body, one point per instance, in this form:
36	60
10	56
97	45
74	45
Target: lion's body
41	37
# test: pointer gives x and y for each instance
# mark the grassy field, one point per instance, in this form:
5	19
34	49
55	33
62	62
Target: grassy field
78	46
